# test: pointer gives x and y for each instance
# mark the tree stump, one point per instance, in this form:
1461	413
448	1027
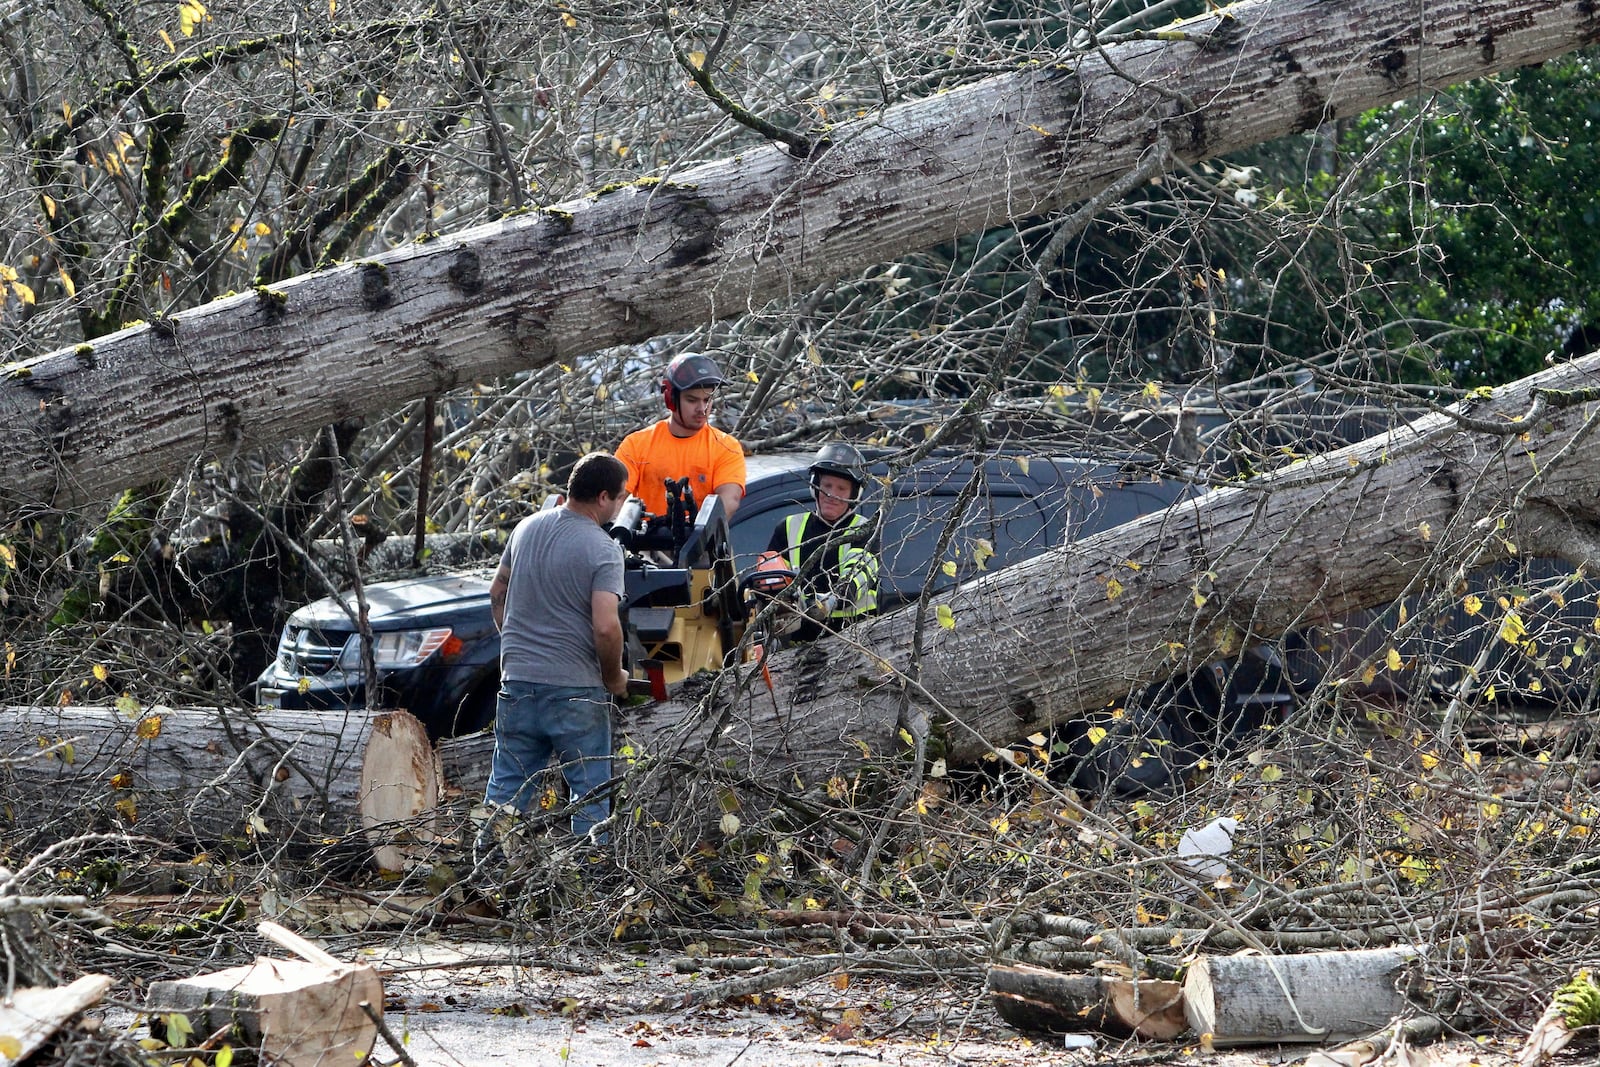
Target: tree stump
295	1013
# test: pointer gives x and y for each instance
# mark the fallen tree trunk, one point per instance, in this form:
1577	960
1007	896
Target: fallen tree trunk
1039	642
213	774
653	257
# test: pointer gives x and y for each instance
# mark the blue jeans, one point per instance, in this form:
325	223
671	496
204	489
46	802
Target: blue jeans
534	722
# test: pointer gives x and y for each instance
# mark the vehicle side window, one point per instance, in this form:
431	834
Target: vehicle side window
1013	526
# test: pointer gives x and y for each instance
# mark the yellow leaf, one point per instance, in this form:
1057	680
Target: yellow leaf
49	204
1096	734
100	672
166	38
1113	589
128	808
696	59
149	727
1133	565
304	686
1271	773
1368	674
1152	392
1426	531
1040	130
263	230
190	14
1393	659
1022	465
949	568
947	618
1489	691
1199	599
1472	604
982	552
179	1030
66	282
1430	760
1472	759
1512	630
8	556
859	384
10	1047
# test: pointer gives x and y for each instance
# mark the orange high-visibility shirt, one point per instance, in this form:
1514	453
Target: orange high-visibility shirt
709	459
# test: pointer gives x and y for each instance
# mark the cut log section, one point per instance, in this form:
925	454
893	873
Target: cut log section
399	791
1037	998
192	773
295	1013
34	1014
1314	997
465	763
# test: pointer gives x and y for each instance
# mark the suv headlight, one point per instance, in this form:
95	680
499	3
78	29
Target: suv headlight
396	648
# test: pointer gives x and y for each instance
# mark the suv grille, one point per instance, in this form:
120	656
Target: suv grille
303	651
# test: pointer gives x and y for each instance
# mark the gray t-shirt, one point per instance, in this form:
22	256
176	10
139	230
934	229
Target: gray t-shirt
557	558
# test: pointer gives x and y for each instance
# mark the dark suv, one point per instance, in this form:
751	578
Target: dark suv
436	649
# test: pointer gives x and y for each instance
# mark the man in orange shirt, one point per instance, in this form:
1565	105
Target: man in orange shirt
685	444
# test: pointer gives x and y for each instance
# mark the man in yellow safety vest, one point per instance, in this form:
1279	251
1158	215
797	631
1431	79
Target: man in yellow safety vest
828	548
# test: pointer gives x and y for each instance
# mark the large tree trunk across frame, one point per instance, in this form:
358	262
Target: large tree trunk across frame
656	256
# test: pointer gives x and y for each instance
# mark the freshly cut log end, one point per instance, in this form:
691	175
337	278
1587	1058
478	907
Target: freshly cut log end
295	1013
400	790
33	1014
1312	997
1037	998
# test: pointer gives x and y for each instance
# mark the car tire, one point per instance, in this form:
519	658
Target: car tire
476	712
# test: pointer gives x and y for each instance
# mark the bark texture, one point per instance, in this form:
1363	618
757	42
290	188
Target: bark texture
192	774
624	265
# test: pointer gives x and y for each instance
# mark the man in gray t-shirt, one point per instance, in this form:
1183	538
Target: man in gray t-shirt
555	601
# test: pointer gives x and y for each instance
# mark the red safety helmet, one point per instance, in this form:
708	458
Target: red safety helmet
689	371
